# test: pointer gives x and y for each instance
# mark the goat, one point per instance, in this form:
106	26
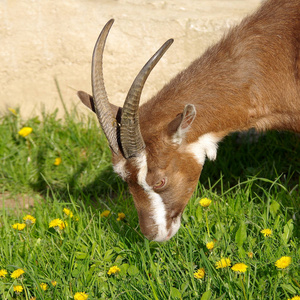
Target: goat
249	79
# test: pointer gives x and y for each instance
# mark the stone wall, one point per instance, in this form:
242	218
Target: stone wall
46	40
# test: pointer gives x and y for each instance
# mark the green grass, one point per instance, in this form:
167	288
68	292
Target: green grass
252	186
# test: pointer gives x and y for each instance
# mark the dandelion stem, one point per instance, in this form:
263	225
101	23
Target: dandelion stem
243	287
296	282
206	219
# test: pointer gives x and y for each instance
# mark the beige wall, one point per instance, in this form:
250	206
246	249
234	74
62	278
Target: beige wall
46	39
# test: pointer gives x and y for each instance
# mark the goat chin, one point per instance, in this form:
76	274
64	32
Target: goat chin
164	235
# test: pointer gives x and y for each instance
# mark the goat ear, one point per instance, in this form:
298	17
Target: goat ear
88	101
178	128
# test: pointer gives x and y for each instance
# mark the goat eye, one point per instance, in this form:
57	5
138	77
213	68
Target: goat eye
160	184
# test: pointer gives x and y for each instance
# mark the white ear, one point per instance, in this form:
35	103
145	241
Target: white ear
186	120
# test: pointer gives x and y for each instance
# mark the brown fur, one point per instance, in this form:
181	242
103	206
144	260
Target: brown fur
254	67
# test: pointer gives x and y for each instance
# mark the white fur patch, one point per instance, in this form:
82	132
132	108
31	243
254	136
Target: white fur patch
206	146
120	169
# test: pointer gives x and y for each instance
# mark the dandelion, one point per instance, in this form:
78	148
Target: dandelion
44	286
3	273
68	212
210	245
266	232
81	296
17	273
18	289
57	224
223	263
113	270
54	283
240	267
105	213
25	131
57	161
13	111
29	220
121	216
18	226
205	202
295	298
250	254
200	273
283	262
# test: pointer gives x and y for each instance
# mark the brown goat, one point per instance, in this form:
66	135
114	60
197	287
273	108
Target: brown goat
249	79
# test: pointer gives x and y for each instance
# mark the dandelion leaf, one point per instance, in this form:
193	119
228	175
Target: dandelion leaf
175	293
124	268
206	295
274	207
287	231
288	288
241	234
108	256
132	270
81	255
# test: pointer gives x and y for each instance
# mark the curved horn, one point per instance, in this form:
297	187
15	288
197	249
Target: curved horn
102	107
131	138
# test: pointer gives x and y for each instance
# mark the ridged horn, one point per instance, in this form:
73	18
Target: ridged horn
102	107
131	138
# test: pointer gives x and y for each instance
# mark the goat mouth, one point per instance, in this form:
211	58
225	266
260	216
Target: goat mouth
175	225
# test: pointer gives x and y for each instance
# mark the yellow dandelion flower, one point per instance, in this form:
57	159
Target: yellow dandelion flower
266	232
13	111
250	254
81	296
18	289
3	273
210	245
68	212
113	270
19	226
44	286
53	282
29	220
105	213
295	298
57	161
240	267
205	202
121	216
223	263
57	224
200	273
17	273
283	262
25	131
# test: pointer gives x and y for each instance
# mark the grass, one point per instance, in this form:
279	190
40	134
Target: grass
252	185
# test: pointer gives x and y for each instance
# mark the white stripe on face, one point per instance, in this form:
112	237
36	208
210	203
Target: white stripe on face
159	214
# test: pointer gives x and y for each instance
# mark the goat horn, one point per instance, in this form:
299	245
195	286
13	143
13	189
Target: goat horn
102	107
131	138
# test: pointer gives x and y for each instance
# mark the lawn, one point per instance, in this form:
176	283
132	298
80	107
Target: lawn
82	239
